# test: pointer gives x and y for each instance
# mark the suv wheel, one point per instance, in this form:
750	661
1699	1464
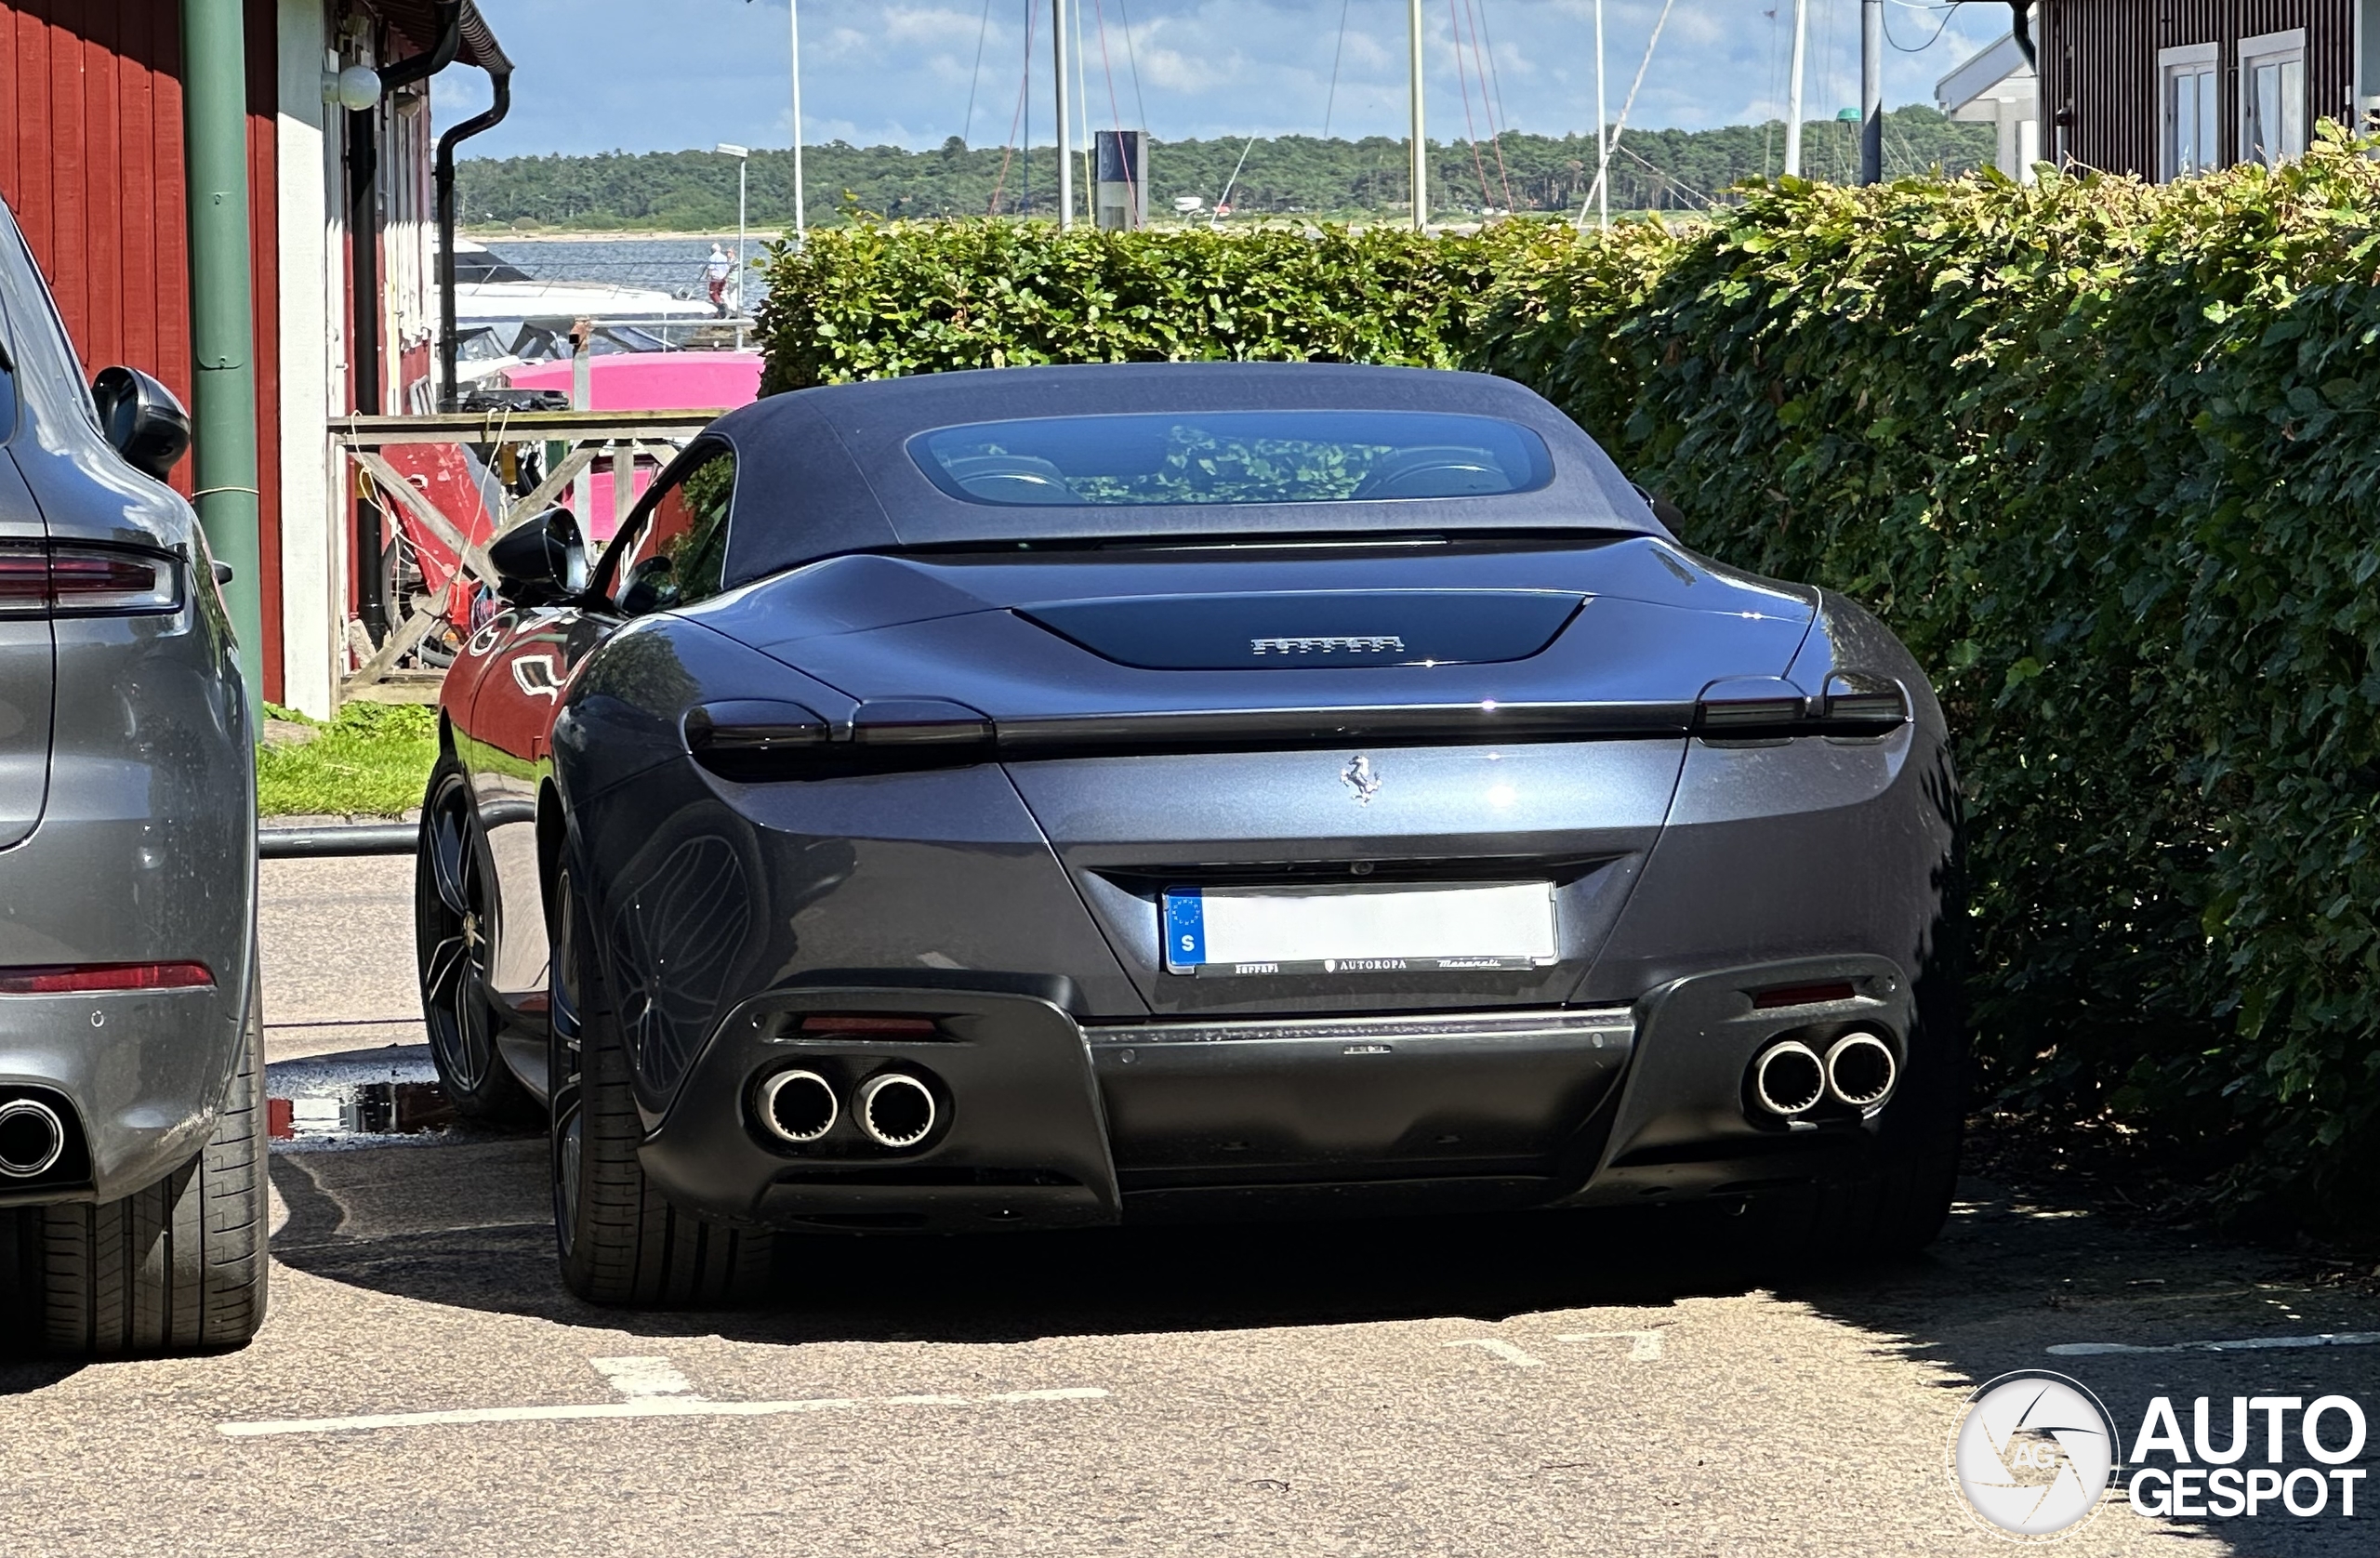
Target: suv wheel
178	1267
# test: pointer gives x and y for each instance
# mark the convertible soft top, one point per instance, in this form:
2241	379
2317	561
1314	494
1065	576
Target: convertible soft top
825	471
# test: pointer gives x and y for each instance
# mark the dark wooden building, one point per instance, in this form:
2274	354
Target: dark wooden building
2165	88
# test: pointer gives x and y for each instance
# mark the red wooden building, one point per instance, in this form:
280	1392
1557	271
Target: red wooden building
91	161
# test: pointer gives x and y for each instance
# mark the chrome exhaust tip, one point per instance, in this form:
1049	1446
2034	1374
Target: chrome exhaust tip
797	1106
1788	1078
31	1138
895	1109
1860	1070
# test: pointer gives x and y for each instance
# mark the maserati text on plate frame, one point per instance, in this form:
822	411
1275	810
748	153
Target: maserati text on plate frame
1336	929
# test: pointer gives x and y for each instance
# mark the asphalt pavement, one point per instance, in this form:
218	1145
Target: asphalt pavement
1523	1386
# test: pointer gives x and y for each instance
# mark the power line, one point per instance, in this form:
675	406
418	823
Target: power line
975	80
1332	102
1024	103
1133	59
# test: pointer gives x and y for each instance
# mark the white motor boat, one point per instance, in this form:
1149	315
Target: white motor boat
504	315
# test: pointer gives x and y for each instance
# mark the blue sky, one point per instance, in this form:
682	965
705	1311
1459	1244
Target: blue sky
595	75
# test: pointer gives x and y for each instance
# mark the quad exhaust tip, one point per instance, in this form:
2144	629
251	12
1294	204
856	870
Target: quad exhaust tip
1789	1078
895	1109
797	1106
31	1138
1860	1070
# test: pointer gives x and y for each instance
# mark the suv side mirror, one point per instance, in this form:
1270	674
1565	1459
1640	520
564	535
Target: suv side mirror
141	419
541	562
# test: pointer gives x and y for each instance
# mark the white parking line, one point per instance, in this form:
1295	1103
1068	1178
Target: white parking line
1503	1350
638	1406
1645	1345
2251	1344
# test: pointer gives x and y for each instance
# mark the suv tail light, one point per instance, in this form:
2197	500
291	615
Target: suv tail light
41	579
67	979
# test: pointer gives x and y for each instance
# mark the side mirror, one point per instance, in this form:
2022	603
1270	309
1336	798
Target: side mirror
141	419
541	562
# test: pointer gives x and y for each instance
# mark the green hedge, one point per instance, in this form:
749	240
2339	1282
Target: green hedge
2104	455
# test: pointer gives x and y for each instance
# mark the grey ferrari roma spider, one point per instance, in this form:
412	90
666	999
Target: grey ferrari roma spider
1045	797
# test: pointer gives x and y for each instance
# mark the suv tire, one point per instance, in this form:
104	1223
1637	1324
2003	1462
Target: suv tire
180	1266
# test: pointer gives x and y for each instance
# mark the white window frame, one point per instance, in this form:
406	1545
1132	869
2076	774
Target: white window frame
2274	48
2187	62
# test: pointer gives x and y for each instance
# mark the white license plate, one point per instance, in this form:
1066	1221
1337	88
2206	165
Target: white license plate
1338	929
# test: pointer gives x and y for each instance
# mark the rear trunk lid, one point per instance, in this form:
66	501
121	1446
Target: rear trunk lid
1194	730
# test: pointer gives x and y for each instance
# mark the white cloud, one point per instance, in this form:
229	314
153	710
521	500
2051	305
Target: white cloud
905	73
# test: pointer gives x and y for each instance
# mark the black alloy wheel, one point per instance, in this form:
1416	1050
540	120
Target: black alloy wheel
620	1240
454	933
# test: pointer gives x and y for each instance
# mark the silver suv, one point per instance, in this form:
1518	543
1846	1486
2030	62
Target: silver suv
132	1133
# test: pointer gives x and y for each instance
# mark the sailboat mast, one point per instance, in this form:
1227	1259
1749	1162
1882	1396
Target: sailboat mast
1059	97
1421	145
800	220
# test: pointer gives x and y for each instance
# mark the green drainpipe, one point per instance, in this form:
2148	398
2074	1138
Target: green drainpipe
223	420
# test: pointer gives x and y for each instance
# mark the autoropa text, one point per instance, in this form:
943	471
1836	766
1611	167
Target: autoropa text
2199	1478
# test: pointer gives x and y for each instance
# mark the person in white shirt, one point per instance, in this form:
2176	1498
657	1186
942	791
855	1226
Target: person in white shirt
716	269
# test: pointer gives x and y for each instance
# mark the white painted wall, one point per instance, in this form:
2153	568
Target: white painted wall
310	606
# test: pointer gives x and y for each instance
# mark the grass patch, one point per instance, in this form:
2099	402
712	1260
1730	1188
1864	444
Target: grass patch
369	758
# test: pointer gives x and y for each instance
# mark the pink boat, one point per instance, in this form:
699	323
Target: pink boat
619	381
647	381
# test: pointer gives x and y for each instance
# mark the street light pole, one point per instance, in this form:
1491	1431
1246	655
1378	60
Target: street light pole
1872	91
1421	145
1793	90
800	220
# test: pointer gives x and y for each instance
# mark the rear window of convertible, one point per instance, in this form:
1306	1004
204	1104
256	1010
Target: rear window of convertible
1232	456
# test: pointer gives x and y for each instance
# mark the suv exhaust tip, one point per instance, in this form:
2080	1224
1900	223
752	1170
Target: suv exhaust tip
895	1109
31	1138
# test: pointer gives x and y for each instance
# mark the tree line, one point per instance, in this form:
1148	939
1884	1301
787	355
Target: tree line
1285	175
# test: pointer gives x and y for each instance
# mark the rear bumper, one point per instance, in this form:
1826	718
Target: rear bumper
1046	1122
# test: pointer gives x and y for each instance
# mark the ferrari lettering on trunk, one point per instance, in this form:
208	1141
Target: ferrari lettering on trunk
1334	643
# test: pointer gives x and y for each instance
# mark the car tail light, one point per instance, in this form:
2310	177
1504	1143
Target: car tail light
1855	703
87	579
756	741
1749	705
68	979
920	722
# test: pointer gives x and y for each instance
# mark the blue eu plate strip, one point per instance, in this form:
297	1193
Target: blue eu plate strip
1186	929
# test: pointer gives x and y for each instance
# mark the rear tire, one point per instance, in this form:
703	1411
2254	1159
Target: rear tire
179	1267
620	1240
1900	1205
